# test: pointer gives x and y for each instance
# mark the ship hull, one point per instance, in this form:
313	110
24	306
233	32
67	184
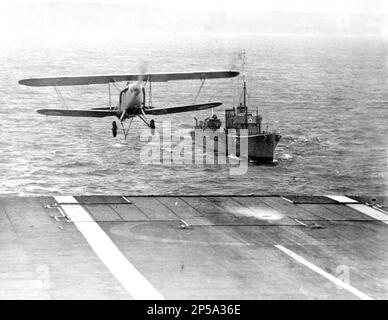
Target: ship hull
261	147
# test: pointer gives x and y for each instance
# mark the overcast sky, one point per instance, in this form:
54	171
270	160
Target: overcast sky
324	6
327	17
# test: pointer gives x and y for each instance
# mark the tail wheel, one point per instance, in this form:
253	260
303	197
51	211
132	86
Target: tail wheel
114	129
152	124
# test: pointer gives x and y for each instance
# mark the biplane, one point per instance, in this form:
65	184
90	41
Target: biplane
132	99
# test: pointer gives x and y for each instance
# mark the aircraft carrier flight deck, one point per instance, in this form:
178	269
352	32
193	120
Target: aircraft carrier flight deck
193	247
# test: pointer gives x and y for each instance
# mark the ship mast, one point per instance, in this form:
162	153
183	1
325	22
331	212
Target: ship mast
242	55
245	95
244	88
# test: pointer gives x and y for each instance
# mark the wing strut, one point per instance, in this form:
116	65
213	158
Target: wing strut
200	88
150	93
110	97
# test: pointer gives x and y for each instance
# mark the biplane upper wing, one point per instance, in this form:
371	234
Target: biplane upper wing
79	113
194	107
101	79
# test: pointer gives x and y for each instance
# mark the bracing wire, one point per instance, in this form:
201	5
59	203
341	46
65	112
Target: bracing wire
59	94
199	90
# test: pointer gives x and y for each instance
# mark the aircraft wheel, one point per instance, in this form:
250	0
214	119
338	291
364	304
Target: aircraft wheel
114	129
152	124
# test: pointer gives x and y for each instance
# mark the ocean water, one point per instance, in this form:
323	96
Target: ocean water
326	96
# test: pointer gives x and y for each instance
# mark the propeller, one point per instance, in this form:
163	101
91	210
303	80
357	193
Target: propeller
140	89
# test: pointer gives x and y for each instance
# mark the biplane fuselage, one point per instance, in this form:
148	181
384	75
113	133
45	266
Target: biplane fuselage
131	100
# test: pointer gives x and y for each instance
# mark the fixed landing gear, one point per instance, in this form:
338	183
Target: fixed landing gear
114	129
126	130
150	124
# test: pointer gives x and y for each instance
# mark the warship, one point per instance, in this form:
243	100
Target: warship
242	130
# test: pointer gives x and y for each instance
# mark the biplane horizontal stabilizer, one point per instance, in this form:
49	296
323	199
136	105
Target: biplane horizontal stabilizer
194	107
79	113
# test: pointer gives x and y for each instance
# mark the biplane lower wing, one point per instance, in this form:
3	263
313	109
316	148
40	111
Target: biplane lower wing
193	107
79	113
106	112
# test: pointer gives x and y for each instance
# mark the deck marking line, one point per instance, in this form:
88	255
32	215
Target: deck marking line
284	198
130	278
369	211
342	199
379	209
300	222
323	273
185	223
363	208
125	198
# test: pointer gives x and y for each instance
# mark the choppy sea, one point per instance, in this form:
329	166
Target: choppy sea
326	96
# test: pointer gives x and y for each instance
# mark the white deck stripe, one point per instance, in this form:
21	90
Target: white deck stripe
369	211
284	198
342	199
328	276
65	199
131	279
126	199
379	209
